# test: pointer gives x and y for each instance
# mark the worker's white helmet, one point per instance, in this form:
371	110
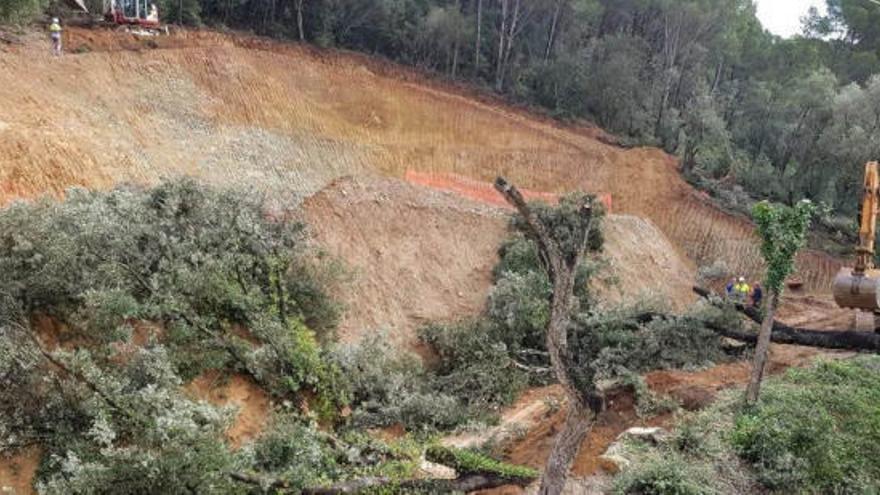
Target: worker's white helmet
55	20
742	279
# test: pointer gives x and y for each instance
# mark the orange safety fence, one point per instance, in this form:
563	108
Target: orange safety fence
481	191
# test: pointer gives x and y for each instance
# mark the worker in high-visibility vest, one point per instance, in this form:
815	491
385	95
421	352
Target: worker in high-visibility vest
55	34
741	291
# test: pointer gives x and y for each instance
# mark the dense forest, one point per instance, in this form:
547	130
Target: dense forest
783	119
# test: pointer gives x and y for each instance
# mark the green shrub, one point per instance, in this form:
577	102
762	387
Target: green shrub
390	386
294	452
469	462
474	365
817	430
226	287
198	261
662	475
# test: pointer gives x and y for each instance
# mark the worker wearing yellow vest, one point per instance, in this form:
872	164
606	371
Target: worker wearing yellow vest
741	290
55	34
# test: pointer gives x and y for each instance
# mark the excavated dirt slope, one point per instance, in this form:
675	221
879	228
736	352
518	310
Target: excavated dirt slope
288	120
419	255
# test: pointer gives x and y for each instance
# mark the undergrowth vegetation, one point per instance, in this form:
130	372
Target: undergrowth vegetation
814	430
113	302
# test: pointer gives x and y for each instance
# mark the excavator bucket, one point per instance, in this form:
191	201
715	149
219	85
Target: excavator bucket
858	287
77	4
856	291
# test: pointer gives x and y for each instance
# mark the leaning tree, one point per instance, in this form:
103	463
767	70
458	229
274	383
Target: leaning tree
561	247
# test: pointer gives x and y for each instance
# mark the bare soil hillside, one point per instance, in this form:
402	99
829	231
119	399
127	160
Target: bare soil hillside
419	255
287	120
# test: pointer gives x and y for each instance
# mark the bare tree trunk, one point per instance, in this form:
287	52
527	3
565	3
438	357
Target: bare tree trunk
762	350
499	69
552	37
478	44
456	45
511	34
719	70
299	20
583	405
578	423
850	339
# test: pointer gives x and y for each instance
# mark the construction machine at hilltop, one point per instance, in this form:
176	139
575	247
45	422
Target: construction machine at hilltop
859	287
140	13
77	4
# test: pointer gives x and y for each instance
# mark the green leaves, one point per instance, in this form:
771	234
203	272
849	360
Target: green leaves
816	430
783	232
215	283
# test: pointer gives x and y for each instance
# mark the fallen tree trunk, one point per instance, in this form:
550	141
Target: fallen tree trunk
851	340
465	483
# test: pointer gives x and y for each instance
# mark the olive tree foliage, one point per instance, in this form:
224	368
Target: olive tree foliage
198	262
106	429
113	301
783	232
391	387
608	343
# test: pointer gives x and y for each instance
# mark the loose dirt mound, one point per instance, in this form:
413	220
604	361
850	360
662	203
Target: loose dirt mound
417	255
420	255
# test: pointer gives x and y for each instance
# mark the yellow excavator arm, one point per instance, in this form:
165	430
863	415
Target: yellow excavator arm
868	227
858	287
77	4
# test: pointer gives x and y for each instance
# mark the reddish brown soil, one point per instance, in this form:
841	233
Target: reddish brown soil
17	471
252	402
484	192
533	449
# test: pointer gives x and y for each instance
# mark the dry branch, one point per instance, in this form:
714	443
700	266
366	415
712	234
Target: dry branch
852	340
